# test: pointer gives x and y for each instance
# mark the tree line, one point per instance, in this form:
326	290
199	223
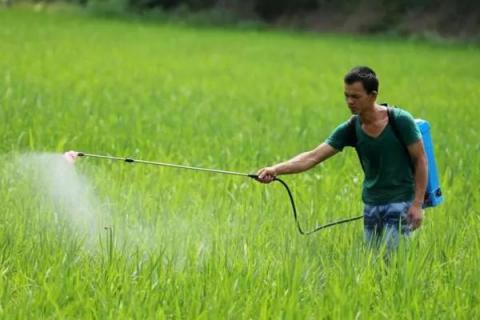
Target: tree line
459	18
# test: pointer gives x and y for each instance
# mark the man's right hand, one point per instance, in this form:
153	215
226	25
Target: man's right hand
266	175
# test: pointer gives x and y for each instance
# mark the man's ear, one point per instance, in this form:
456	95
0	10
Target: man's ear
374	93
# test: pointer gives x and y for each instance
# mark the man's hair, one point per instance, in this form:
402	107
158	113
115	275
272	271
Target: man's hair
365	75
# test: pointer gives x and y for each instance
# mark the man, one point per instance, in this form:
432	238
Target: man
395	177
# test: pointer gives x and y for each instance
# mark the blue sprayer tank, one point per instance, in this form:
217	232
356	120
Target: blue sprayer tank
433	194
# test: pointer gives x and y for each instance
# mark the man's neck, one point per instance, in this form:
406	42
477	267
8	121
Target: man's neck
370	115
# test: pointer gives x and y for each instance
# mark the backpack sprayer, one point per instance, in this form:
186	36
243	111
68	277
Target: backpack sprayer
433	194
71	155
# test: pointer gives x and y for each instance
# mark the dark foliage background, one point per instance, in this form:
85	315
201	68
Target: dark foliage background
459	18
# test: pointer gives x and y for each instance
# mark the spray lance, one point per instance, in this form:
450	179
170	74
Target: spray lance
72	155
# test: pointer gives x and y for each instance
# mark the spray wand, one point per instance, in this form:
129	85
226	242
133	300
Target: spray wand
72	155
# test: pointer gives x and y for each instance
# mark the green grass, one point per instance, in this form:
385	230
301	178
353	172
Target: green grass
194	245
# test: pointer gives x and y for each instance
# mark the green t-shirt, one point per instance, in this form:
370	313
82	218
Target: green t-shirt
387	167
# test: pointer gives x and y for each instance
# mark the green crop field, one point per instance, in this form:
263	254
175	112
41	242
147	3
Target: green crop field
105	239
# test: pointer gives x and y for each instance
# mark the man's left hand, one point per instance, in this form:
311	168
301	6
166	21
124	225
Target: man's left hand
415	216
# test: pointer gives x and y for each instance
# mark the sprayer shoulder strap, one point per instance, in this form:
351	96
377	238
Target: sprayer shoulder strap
393	124
352	134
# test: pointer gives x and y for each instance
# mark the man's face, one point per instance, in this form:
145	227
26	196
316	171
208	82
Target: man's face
357	98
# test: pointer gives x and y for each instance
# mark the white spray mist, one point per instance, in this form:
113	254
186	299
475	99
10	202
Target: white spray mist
73	198
57	184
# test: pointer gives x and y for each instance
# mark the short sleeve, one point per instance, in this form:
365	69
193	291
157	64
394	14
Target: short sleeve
407	127
340	137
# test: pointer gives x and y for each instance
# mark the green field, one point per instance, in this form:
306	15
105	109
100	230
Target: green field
110	240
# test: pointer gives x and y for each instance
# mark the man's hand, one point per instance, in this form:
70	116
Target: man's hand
266	175
415	216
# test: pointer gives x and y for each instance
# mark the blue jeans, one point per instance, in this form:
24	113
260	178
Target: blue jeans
384	223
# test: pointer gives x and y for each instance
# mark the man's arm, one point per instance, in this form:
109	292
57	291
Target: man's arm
417	154
300	163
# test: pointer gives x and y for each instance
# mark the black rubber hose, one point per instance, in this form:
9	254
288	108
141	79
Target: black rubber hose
295	216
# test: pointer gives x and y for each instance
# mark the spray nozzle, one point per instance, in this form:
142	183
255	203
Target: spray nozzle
70	156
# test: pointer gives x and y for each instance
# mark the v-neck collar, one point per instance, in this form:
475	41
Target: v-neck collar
369	136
